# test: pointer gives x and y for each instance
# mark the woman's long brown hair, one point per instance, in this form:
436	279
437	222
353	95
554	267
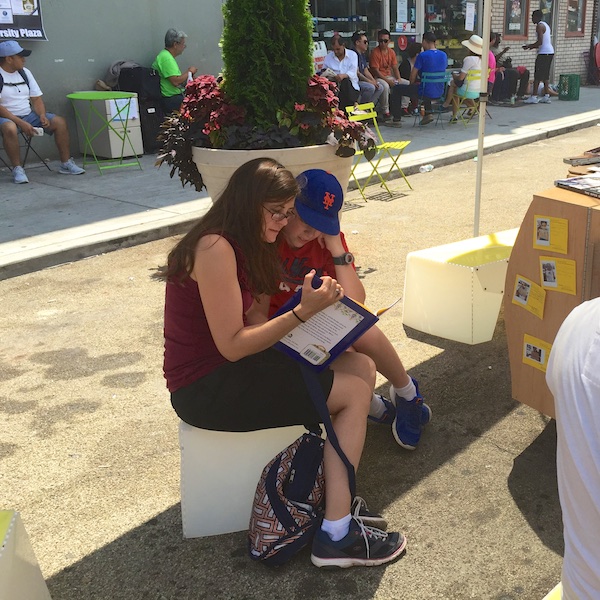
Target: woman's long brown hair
238	213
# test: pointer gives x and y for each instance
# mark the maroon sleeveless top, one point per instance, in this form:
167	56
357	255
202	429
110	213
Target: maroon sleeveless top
190	351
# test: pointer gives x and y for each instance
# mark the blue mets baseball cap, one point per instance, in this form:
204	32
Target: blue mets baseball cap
320	200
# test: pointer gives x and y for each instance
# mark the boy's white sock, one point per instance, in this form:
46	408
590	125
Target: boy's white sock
337	529
408	392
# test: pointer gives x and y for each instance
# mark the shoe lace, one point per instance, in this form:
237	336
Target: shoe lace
358	504
370	532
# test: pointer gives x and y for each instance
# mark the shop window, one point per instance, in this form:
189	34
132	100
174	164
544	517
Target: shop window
446	18
345	17
547	8
516	18
575	18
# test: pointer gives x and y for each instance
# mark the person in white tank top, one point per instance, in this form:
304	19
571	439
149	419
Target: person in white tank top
543	61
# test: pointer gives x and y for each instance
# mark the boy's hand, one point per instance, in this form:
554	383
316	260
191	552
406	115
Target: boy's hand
333	243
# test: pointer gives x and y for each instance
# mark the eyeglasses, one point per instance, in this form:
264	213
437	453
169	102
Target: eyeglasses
384	41
279	216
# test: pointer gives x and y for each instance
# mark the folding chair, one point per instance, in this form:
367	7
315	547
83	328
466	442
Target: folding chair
443	78
468	99
27	141
393	150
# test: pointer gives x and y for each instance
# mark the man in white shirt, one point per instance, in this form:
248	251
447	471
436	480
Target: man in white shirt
573	376
543	61
345	66
22	108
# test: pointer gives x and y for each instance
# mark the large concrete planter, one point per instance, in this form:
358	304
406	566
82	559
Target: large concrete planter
217	166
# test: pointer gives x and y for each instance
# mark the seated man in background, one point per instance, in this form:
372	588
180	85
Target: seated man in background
172	81
431	60
411	99
383	64
22	108
345	67
513	81
371	89
313	240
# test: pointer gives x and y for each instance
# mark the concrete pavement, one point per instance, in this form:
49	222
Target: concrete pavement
56	219
89	452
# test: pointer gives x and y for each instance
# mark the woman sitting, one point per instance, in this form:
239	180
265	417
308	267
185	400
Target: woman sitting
221	370
457	85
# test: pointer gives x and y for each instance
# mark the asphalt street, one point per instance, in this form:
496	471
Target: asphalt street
89	450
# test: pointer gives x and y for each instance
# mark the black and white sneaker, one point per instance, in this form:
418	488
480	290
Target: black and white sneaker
362	547
360	511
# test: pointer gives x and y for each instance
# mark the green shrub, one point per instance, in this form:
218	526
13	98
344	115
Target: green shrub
267	55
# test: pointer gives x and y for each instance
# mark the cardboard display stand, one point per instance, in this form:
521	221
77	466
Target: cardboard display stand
554	267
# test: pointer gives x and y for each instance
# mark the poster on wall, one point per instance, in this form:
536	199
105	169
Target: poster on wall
515	18
21	20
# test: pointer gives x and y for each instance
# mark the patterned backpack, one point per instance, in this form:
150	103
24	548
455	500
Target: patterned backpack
288	502
290	496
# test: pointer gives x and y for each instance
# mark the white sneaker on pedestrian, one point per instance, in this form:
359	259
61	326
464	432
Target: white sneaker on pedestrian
545	99
70	168
19	176
531	100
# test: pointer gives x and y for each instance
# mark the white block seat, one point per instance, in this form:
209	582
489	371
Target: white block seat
455	291
219	473
20	574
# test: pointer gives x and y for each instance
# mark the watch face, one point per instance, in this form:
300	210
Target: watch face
344	259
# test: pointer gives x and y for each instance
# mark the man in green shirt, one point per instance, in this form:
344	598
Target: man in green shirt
171	79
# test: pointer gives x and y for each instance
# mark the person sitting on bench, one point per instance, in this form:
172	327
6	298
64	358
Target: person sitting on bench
172	81
22	108
219	363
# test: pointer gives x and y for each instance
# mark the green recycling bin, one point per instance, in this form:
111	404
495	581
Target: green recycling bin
568	87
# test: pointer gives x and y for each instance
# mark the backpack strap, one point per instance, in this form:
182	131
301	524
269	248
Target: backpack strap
21	73
318	397
24	76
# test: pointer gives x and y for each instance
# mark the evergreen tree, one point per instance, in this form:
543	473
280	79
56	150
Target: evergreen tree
267	55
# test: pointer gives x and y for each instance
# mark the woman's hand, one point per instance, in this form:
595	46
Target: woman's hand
315	300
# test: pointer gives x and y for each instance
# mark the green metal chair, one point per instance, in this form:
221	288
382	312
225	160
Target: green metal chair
439	77
393	150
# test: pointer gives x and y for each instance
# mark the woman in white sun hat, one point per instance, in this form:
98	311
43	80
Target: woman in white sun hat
457	85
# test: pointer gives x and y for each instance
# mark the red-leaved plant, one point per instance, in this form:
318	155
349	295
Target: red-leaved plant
208	119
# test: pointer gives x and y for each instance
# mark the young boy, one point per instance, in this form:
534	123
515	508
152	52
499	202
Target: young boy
313	240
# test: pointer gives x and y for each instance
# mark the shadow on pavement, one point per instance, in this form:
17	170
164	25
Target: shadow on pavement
468	400
533	485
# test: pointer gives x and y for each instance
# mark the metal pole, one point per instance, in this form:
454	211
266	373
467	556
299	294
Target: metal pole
487	26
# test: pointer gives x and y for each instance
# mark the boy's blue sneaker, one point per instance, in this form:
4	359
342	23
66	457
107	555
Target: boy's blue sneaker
411	416
387	418
363	546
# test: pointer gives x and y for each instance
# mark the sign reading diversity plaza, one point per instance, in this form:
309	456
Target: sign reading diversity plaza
21	20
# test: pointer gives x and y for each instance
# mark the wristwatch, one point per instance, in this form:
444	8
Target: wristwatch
344	259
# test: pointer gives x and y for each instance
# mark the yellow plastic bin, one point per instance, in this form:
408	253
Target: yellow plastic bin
455	291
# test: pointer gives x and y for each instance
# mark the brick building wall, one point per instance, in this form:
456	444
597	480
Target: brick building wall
569	51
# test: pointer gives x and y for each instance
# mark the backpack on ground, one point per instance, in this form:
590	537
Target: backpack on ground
288	503
290	496
21	73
